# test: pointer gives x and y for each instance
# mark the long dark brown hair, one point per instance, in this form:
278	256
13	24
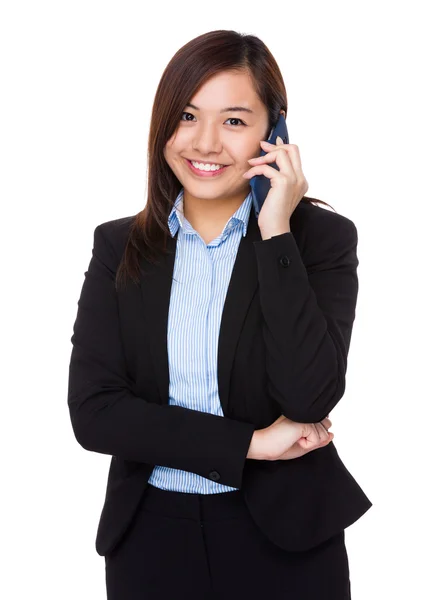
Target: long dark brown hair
191	66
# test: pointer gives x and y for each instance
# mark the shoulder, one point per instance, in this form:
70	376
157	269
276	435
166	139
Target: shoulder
320	221
322	233
110	238
116	230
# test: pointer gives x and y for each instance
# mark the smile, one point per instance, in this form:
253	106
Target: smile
203	173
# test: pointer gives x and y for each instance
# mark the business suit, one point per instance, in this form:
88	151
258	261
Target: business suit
283	346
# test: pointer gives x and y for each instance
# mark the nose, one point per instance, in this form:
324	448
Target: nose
206	140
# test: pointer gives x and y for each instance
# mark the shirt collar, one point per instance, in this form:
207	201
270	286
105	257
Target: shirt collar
176	218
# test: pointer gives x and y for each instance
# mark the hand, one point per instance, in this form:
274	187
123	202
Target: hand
288	184
285	439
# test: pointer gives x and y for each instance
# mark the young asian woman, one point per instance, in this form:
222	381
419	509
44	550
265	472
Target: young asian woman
210	347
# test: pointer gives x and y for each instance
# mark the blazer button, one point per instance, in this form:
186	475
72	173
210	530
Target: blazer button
214	475
284	261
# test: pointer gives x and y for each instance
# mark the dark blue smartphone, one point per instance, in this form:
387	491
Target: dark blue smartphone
260	184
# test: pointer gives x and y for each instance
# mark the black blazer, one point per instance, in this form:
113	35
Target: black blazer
283	346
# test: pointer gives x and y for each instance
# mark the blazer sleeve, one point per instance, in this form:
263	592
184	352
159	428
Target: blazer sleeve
107	417
308	314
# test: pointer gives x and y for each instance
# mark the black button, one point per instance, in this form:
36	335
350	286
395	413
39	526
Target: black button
284	261
214	475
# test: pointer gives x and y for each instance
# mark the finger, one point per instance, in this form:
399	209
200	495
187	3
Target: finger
326	424
282	160
294	160
277	155
322	432
292	151
328	436
316	434
265	170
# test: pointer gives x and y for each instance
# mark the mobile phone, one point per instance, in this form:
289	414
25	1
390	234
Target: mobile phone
260	184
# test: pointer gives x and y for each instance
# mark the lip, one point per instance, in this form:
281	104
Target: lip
205	173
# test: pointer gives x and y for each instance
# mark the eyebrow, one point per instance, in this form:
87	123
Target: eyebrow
228	109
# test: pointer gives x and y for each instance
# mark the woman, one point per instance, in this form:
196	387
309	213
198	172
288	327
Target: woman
209	349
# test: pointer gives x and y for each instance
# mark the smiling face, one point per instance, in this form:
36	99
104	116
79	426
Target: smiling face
216	133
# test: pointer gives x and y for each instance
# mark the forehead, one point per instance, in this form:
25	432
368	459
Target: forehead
227	89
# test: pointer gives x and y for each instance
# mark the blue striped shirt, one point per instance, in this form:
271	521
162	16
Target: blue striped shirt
200	281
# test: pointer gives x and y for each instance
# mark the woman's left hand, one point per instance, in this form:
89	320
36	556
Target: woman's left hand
288	184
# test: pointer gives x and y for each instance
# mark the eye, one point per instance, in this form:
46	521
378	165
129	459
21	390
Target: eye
235	119
229	119
186	113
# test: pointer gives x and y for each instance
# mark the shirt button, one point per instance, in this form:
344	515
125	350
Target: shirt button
284	261
214	475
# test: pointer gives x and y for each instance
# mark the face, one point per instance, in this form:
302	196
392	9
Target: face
214	134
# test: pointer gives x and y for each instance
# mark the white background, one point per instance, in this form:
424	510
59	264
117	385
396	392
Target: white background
78	80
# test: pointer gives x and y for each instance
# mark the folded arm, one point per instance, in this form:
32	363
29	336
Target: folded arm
107	417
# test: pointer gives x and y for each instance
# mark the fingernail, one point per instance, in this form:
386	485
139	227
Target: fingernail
279	140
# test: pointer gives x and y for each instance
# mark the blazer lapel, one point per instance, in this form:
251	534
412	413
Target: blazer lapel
155	296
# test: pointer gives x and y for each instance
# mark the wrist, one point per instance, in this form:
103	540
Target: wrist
267	233
257	449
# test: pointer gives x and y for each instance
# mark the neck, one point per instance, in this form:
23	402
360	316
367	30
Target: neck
210	213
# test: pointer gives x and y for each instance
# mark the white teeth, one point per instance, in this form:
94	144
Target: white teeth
203	167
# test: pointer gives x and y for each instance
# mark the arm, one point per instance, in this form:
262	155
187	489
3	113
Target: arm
308	318
108	418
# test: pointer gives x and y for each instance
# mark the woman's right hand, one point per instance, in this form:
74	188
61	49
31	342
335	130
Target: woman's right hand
285	439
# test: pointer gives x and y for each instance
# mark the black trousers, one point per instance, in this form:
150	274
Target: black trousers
207	547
